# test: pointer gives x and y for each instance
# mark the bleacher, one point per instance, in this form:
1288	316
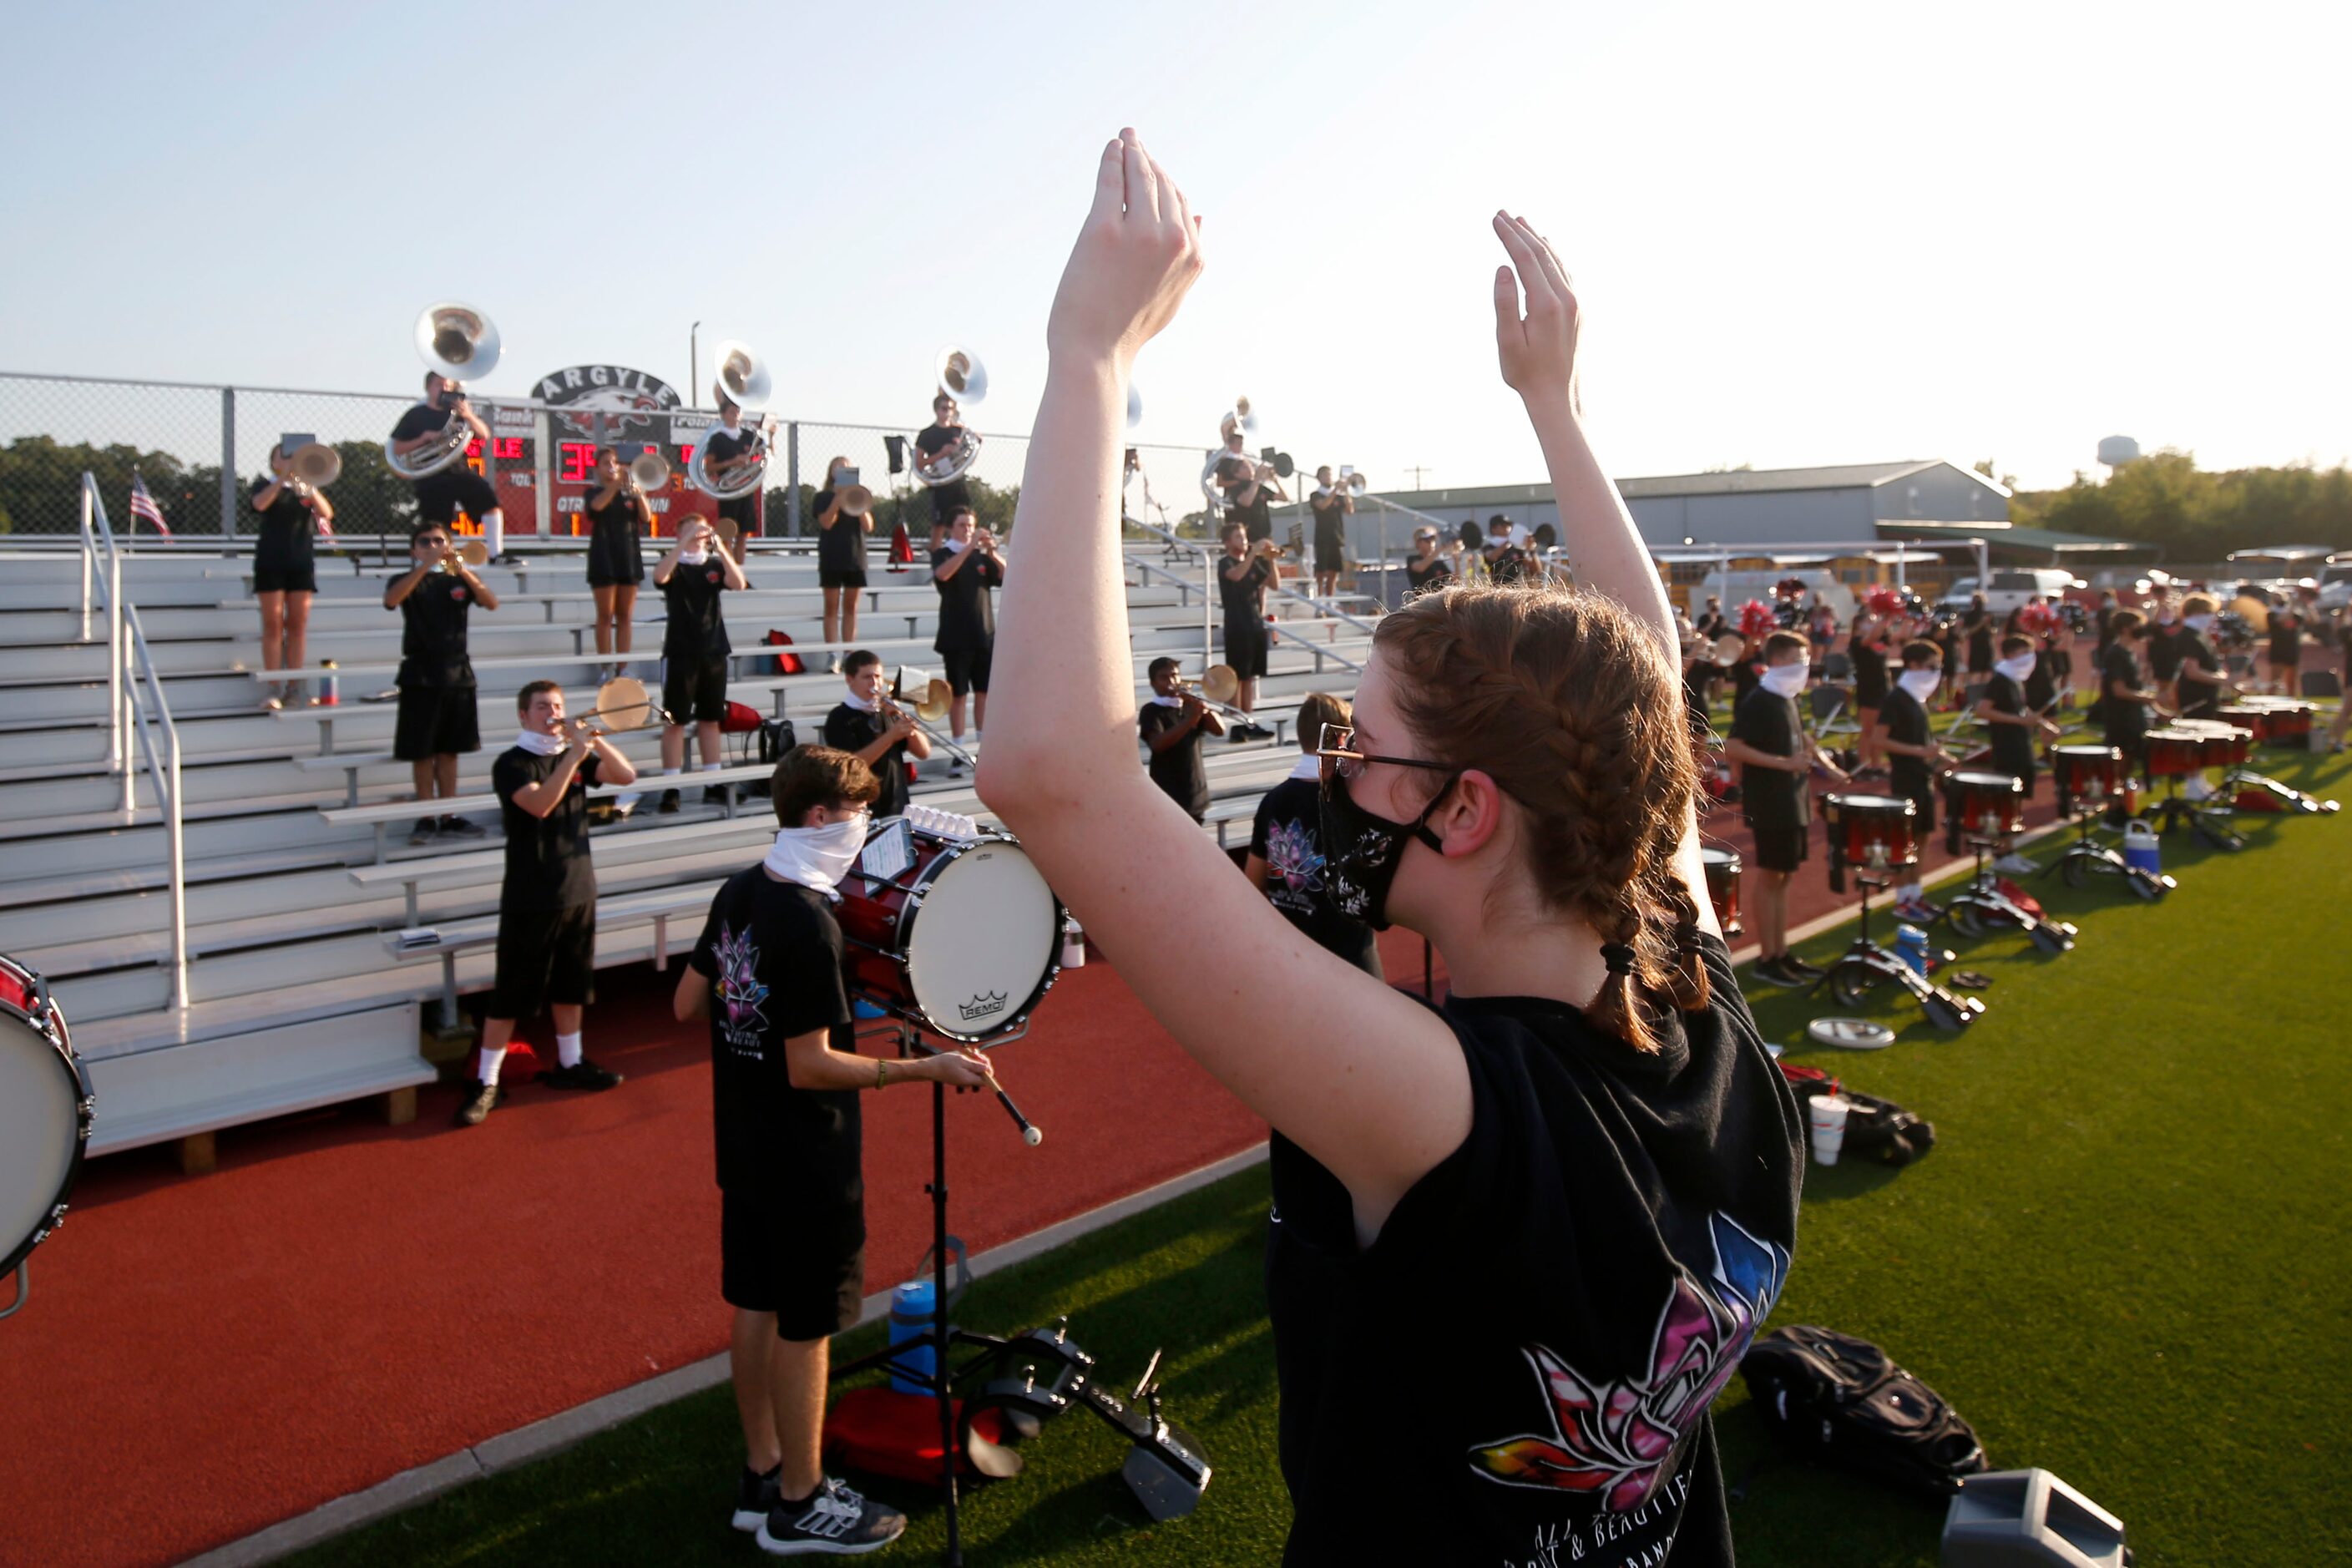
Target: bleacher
296	877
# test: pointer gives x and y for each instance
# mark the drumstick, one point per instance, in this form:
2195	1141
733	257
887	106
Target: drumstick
1029	1133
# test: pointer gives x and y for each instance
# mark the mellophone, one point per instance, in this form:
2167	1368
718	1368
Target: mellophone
952	930
46	1107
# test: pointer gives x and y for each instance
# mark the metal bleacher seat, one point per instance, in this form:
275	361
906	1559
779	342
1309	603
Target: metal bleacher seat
287	984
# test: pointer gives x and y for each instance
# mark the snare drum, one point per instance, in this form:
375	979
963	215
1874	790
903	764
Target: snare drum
2086	773
965	942
2291	723
2250	718
2218	745
2173	753
1869	831
1723	886
1985	804
45	1112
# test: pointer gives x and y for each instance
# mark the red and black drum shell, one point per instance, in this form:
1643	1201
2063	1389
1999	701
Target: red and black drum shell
2085	774
1859	823
1723	886
1981	805
2174	753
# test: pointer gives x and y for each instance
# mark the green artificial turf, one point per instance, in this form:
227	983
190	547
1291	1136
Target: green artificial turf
2123	1262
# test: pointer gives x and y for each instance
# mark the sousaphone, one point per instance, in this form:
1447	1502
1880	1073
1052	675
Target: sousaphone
458	343
962	377
745	379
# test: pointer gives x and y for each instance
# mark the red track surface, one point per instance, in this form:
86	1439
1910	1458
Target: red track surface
342	1301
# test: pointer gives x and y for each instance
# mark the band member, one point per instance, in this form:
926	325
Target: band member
1820	631
441	495
1250	486
785	1081
964	567
1916	758
876	731
2342	709
1287	857
2124	703
284	575
1868	648
547	903
840	559
1173	724
437	719
1332	506
1710	623
1977	625
1775	759
1555	1099
1426	569
697	571
2163	650
728	450
2202	681
2285	650
2104	621
2014	720
945	430
1506	560
1242	577
619	518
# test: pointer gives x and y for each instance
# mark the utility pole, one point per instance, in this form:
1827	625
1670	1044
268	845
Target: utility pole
1416	471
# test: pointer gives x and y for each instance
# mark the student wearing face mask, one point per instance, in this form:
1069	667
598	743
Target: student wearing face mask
1910	741
1775	759
876	731
2012	721
785	1084
2125	705
1286	857
697	571
2200	679
1173	724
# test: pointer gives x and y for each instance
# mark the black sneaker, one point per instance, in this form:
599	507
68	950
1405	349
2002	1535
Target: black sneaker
668	802
1770	972
479	1103
425	831
714	794
834	1520
460	827
582	1074
1799	968
755	1494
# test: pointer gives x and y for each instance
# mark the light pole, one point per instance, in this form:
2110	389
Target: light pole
693	362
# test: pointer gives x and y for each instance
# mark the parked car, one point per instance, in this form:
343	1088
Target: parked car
2011	590
2336	583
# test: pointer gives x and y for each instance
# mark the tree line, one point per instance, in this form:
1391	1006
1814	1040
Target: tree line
2197	515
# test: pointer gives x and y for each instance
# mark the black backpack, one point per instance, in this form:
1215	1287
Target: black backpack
771	740
1875	1129
1830	1397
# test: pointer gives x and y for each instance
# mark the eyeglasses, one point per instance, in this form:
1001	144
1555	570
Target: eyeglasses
1338	748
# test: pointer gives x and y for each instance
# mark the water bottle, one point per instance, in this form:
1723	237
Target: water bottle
1074	945
331	691
1911	946
911	1317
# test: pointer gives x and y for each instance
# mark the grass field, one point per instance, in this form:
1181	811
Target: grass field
2125	1261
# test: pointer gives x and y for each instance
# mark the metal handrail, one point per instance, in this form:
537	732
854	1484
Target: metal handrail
130	664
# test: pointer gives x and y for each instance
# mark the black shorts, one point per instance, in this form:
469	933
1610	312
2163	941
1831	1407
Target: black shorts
840	577
694	689
967	671
946	499
545	956
437	721
615	559
1245	648
1781	849
803	1261
1329	564
1925	823
439	495
745	509
301	577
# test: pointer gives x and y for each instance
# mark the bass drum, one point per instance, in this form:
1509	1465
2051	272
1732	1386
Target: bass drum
45	1113
964	943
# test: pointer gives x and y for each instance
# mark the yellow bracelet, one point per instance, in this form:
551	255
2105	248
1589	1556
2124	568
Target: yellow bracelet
881	1074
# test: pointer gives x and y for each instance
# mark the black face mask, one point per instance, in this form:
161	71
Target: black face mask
1361	851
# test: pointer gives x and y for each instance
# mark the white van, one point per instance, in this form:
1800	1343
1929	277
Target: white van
2012	590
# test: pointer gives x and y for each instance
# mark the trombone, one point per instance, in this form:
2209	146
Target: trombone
928	708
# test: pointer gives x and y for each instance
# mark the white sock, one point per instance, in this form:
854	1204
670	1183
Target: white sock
494	531
487	1068
712	767
567	1050
668	772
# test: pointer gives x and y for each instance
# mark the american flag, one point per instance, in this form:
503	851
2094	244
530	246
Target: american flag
142	504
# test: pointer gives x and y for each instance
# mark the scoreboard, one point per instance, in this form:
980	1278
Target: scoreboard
589	407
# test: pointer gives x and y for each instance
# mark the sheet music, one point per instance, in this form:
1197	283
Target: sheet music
888	852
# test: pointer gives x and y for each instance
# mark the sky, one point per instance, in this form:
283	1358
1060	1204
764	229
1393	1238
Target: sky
1800	234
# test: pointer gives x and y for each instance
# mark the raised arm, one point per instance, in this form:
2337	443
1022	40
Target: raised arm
1371	1084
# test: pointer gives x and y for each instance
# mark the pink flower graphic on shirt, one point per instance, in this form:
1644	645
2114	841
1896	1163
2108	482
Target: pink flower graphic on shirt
739	979
1290	853
1619	1439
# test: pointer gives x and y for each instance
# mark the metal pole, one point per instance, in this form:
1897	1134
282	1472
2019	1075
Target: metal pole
1208	600
793	479
543	472
175	835
693	363
85	561
228	463
940	1314
118	701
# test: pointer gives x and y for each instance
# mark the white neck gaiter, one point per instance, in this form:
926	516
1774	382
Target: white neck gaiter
1921	683
818	857
694	557
538	744
1784	680
1311	766
2016	668
854	701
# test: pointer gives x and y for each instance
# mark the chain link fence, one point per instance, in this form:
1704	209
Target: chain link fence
201	449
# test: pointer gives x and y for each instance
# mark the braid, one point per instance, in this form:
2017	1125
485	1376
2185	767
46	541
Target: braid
1687	981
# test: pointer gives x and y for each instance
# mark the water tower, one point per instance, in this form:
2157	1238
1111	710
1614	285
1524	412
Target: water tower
2114	451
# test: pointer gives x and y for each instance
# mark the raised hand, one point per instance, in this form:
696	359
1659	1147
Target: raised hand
1537	349
1137	255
